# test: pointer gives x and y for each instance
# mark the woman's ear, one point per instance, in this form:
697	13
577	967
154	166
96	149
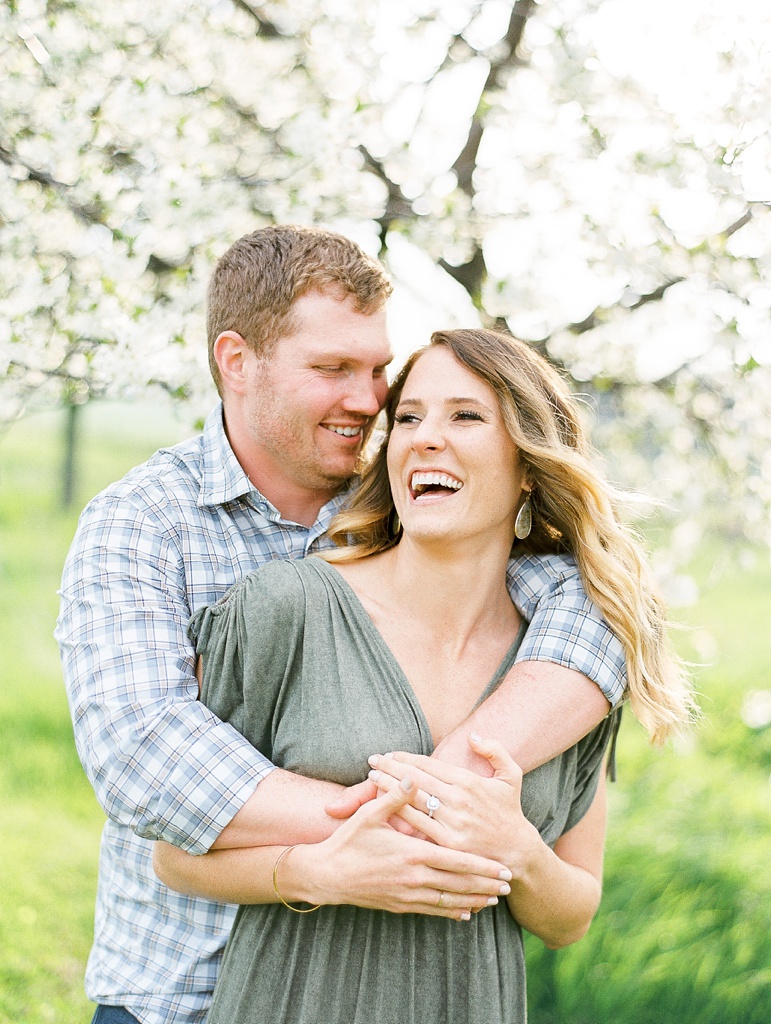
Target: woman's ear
230	353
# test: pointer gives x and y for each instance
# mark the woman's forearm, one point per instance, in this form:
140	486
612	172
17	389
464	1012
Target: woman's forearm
240	875
554	900
555	893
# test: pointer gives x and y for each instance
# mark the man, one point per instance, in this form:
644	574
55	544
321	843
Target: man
298	350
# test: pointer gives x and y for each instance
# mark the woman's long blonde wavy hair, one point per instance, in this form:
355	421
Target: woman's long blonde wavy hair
575	511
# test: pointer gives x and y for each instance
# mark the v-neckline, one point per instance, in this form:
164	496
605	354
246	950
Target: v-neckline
365	620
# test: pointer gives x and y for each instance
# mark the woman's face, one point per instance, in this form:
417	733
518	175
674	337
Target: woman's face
453	468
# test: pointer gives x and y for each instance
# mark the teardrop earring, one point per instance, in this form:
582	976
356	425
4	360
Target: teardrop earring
523	524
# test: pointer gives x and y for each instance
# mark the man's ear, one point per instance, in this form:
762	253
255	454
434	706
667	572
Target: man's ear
230	353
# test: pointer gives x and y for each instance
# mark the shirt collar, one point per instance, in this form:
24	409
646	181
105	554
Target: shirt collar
223	478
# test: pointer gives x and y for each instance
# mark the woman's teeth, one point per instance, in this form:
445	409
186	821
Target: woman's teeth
420	482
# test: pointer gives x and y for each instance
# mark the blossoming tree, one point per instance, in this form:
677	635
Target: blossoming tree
575	172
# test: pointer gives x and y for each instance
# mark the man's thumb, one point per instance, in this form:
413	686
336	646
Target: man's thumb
351	799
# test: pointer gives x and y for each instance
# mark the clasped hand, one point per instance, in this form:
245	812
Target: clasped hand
474	814
368	863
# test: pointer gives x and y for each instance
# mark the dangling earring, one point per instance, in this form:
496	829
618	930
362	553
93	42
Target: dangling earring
523	524
395	524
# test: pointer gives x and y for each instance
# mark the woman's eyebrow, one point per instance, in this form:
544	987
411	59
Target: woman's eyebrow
468	401
460	400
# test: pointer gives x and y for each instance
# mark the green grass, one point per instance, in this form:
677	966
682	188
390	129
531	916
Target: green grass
684	932
50	822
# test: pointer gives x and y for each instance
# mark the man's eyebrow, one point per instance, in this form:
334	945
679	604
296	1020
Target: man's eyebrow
342	357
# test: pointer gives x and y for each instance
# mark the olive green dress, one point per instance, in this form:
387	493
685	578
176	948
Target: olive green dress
295	664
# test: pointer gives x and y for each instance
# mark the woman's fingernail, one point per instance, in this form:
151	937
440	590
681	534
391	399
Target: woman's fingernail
505	889
492	901
505	875
389	754
374	775
466	915
406	783
373	760
475	737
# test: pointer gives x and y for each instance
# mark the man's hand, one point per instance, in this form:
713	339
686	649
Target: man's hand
351	799
354	797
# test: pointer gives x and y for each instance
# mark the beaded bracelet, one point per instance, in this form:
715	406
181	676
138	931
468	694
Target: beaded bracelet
283	853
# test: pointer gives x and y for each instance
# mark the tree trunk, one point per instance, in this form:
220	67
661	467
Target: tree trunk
70	459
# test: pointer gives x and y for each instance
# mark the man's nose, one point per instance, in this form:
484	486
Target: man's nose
363	396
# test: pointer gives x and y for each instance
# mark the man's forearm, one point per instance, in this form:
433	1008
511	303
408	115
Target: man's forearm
365	863
284	809
539	710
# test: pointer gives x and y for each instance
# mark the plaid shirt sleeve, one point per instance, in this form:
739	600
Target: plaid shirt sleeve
565	626
159	761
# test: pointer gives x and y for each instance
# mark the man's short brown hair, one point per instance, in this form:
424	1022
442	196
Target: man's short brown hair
257	281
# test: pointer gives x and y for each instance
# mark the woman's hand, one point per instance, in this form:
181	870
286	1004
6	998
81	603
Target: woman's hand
554	893
370	864
473	814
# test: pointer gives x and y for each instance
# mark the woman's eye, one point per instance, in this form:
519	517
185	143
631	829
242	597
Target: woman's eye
467	414
405	417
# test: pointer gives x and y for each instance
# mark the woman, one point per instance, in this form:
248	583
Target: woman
388	645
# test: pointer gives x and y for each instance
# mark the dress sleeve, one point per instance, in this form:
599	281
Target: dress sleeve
159	761
248	642
566	628
591	753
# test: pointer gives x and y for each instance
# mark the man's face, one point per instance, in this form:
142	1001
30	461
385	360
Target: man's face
310	405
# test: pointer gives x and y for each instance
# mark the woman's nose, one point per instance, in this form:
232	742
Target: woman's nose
428	435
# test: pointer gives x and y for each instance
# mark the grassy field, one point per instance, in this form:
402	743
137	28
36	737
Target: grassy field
51	823
684	933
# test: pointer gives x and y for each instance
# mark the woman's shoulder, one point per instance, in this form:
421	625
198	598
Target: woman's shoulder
271	597
277	580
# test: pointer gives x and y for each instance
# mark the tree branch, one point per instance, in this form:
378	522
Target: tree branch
398	207
503	56
265	26
91	214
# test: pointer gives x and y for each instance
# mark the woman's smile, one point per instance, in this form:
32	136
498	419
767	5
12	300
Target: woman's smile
432	484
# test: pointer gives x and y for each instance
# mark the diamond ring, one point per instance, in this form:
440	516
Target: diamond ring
432	804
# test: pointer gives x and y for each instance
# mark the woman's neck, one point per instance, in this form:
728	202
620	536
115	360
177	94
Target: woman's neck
448	590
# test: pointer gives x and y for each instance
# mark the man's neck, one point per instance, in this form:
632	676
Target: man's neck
295	502
296	505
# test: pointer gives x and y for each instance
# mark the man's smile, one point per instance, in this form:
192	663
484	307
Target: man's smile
343	431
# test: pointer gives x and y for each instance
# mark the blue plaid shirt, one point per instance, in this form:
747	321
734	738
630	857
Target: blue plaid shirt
171	536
